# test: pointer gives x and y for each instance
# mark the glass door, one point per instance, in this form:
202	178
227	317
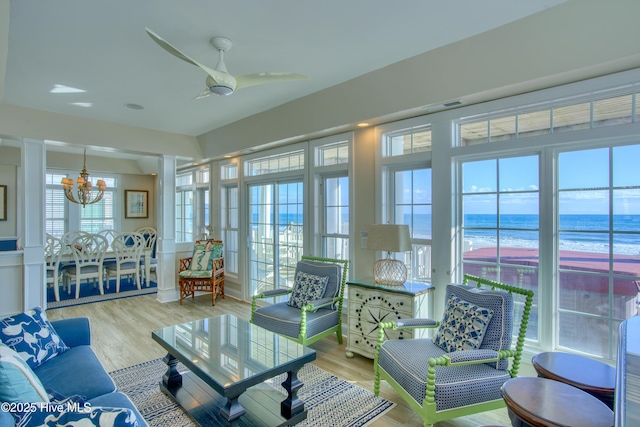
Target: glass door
275	234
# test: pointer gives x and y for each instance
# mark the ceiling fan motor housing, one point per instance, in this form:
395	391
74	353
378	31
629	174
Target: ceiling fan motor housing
221	90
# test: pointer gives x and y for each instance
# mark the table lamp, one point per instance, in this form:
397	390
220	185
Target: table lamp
389	238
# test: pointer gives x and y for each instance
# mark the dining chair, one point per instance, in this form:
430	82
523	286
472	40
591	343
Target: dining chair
53	255
88	252
109	234
127	248
149	261
68	237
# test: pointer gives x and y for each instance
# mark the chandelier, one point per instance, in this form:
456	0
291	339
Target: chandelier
85	195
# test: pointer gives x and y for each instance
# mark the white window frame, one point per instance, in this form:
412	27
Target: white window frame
319	174
386	166
200	189
547	146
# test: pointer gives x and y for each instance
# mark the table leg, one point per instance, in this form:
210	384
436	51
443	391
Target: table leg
171	378
292	405
232	411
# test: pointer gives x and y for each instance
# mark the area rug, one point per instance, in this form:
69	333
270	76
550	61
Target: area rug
330	401
90	293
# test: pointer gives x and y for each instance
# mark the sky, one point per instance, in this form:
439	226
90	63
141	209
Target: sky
583	181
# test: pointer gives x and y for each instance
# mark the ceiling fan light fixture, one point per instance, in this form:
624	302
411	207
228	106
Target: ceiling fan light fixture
221	90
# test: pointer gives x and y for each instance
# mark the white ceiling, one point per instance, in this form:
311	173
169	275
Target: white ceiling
101	47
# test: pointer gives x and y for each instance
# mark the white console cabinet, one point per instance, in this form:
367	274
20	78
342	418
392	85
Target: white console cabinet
370	304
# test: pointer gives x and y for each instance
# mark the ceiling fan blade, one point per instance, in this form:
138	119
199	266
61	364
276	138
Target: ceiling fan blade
202	94
247	80
219	77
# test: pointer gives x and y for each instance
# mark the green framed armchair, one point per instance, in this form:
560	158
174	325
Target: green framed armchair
314	309
461	369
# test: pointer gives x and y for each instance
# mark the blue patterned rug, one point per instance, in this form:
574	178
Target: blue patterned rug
330	401
89	293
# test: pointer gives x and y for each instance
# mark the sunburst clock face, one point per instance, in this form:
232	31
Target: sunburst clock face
373	310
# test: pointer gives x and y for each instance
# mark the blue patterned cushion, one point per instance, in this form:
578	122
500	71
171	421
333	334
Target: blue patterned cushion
308	287
18	383
463	325
32	336
78	414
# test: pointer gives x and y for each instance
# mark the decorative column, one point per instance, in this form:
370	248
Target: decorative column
166	240
31	202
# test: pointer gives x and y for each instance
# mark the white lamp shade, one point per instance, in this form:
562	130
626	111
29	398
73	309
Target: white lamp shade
389	237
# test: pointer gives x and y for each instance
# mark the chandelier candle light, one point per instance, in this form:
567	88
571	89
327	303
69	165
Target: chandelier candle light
389	238
85	196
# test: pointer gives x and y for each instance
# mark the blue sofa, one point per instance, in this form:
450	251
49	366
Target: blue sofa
78	371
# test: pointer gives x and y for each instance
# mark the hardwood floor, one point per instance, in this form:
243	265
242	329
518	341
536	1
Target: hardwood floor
121	337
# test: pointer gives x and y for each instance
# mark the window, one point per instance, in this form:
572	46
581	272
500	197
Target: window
184	215
501	224
62	215
192	204
335	234
562	116
416	139
290	161
331	189
230	216
101	215
55	205
557	213
599	243
405	156
230	222
412	206
334	153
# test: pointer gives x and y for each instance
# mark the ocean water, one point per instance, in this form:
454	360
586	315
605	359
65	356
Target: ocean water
588	233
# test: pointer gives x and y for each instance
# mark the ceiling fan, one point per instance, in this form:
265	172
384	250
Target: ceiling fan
219	81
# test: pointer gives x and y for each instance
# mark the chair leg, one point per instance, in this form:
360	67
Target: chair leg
56	289
137	274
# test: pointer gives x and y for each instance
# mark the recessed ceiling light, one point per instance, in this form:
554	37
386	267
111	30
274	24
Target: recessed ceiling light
82	104
363	124
134	106
65	89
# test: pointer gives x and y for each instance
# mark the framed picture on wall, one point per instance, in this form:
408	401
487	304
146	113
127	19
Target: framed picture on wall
136	204
3	202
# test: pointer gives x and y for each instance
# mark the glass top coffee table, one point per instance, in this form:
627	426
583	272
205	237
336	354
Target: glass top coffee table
231	358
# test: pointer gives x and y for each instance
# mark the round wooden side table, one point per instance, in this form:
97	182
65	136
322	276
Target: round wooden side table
596	378
540	402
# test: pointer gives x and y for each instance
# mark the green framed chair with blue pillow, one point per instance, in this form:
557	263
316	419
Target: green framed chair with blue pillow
314	308
203	271
461	369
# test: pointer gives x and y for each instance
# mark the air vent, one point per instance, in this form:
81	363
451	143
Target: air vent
452	104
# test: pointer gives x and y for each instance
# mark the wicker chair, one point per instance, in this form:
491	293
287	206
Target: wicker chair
312	318
204	271
454	374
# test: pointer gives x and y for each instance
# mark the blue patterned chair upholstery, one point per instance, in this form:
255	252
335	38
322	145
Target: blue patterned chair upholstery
317	318
440	384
